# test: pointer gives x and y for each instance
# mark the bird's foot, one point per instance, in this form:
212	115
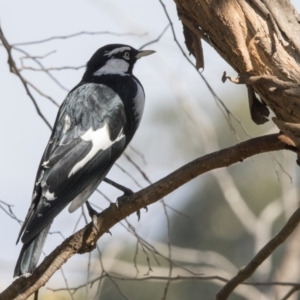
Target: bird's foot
92	213
123	199
139	212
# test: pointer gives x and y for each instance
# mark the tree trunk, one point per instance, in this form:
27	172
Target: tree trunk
260	40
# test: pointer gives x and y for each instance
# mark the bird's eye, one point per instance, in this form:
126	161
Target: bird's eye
126	55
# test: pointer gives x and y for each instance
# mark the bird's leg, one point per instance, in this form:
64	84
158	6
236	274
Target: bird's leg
92	213
125	190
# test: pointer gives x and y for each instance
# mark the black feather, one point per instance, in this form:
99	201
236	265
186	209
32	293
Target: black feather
68	172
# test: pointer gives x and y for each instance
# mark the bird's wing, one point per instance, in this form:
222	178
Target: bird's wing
87	138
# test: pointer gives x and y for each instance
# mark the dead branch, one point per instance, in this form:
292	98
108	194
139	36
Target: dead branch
261	43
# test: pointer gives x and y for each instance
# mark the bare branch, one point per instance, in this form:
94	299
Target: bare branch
156	40
42	94
42	67
64	37
52	68
139	153
14	69
85	239
291	292
169	251
127	173
8	210
258	259
138	168
37	56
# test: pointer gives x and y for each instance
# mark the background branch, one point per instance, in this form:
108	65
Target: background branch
250	268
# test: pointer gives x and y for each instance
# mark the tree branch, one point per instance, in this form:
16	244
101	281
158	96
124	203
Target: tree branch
85	239
258	259
15	70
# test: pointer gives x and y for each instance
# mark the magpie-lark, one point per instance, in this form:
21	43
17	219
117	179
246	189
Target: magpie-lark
94	125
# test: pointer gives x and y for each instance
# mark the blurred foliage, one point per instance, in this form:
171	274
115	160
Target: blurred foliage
155	290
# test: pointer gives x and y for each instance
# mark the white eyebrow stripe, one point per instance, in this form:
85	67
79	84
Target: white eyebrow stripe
117	50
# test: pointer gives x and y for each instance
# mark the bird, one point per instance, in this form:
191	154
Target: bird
94	125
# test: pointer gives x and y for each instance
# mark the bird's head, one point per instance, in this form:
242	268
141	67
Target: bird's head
114	59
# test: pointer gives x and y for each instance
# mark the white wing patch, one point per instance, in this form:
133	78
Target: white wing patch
139	102
113	66
67	124
49	196
117	50
101	141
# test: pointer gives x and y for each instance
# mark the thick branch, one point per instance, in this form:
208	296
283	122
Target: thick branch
257	38
85	239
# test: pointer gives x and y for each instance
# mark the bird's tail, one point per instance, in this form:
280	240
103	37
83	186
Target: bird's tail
30	254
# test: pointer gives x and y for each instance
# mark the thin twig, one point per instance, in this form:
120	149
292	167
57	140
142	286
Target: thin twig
169	251
156	40
37	56
223	108
127	173
137	167
64	37
14	69
292	291
52	68
9	211
139	153
42	94
259	258
66	283
55	80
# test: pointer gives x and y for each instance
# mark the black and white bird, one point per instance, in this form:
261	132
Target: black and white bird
94	125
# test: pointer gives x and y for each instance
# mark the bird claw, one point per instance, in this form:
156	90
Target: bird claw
123	198
91	211
93	214
138	213
127	192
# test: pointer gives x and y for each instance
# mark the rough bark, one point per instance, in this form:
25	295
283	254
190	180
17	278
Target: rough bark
260	40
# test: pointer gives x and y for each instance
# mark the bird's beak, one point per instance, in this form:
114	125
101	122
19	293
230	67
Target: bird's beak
144	53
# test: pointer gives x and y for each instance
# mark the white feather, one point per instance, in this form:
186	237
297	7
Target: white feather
139	102
49	196
100	140
113	66
67	124
117	50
